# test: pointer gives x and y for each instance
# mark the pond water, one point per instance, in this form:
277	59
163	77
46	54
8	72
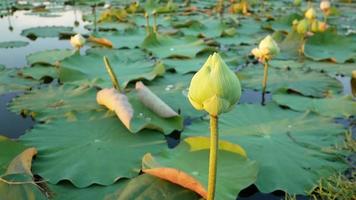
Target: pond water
12	125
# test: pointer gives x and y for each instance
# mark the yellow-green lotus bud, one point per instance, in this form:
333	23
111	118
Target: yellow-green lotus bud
302	27
77	41
315	26
297	2
214	88
310	14
325	6
269	43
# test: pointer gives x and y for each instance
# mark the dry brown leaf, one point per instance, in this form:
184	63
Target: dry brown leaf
102	41
119	103
153	102
178	177
22	163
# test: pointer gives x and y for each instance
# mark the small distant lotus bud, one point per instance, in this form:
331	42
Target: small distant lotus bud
325	6
267	49
315	26
302	27
297	2
77	41
323	26
214	88
310	14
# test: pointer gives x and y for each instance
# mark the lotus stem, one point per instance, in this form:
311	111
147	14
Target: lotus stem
112	75
214	141
265	77
94	13
147	23
155	22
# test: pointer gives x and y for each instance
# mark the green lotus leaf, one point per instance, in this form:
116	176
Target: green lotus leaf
290	46
66	191
93	148
306	82
234	171
77	68
13	44
9	149
45	31
293	150
149	187
110	26
164	46
331	67
49	57
342	106
329	45
53	102
283	23
40	71
10	81
130	38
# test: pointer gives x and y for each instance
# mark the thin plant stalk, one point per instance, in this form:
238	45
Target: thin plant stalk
94	13
155	22
214	142
112	74
264	82
147	23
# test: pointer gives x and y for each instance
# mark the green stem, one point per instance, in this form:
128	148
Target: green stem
155	22
147	24
112	74
265	77
214	141
94	13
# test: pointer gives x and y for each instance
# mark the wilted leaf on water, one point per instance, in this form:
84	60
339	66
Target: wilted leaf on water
75	150
22	163
339	106
234	170
10	81
13	44
113	15
45	31
146	186
9	149
306	82
294	150
329	45
49	57
153	102
117	102
100	41
77	68
55	101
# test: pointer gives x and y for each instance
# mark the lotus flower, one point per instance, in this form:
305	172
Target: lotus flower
267	49
77	41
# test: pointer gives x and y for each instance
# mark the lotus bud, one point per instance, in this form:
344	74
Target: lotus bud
214	88
297	2
267	49
325	6
77	41
310	14
323	26
302	27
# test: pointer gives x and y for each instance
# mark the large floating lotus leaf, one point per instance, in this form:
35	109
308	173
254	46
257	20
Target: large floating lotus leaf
290	46
56	101
10	81
234	170
49	57
236	39
149	187
331	107
185	65
9	149
130	38
294	150
306	82
173	89
283	23
328	45
66	191
45	31
39	71
110	26
166	46
79	68
93	148
13	44
331	67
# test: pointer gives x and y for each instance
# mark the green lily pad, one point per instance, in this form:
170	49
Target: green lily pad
149	187
293	150
39	71
290	46
166	46
45	31
328	45
49	57
10	81
342	106
306	82
283	23
184	66
66	191
55	102
331	67
69	150
13	44
91	66
9	149
234	171
130	38
110	26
